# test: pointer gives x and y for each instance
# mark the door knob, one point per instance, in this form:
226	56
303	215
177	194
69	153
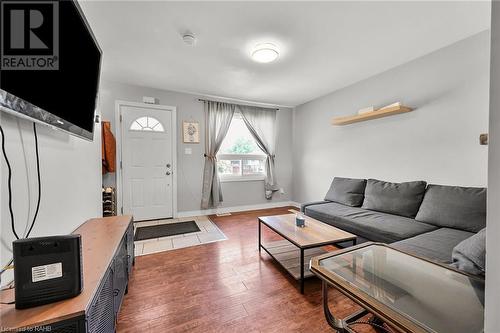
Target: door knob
168	173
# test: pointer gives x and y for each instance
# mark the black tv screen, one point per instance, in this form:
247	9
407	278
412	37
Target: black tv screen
50	64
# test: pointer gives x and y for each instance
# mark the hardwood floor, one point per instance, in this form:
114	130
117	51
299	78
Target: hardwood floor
225	287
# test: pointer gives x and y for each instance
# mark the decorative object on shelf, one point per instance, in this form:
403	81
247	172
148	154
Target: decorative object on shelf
108	201
389	110
366	110
191	131
393	105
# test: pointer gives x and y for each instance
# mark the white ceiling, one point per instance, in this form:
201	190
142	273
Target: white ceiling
324	46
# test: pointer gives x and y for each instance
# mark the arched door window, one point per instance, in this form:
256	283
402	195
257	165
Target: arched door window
147	124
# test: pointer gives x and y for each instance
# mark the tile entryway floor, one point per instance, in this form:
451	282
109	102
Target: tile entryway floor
208	233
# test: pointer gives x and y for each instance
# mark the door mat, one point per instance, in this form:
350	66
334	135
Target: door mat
165	230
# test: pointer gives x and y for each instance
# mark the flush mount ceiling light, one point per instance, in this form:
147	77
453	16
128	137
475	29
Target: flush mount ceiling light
265	53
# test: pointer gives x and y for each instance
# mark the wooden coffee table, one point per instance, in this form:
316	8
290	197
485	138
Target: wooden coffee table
300	244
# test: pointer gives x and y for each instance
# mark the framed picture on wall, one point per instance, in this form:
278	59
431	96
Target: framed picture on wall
191	131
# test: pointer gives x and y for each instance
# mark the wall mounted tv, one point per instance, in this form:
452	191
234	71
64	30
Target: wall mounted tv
49	65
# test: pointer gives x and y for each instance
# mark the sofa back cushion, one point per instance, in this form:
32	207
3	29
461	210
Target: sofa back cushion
454	207
347	191
402	199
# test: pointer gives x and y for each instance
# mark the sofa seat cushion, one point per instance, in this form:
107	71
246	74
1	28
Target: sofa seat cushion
347	191
402	199
374	226
435	245
454	207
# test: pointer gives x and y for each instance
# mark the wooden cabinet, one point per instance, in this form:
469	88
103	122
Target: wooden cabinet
108	257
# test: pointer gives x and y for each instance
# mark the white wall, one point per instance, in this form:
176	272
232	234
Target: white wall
71	182
492	320
438	142
190	167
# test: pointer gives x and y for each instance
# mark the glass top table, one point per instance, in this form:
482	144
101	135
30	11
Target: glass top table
408	293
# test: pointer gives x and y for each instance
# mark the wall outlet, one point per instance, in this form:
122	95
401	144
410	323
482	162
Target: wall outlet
282	190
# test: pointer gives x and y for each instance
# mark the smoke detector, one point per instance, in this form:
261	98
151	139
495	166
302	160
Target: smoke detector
189	39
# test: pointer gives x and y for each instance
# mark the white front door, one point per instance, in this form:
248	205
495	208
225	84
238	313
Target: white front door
147	164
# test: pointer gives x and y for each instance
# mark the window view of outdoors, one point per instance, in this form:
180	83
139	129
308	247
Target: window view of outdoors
238	143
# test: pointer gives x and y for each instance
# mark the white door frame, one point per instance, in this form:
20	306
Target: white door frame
119	176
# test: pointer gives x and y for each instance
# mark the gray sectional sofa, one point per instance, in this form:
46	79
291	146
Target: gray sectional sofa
426	220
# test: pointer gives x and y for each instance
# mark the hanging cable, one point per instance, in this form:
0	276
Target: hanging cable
6	267
9	184
39	181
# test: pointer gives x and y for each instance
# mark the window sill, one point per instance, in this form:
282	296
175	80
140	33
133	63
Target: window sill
242	179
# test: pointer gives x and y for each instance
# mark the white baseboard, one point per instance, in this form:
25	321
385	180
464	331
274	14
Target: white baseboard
222	210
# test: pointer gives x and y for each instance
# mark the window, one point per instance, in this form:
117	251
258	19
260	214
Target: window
239	157
147	124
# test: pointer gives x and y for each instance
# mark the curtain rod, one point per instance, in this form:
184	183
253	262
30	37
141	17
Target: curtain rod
208	100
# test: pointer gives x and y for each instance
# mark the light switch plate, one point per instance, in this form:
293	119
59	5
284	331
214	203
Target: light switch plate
188	151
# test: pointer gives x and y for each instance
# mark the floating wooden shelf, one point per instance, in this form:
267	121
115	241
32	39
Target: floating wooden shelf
371	115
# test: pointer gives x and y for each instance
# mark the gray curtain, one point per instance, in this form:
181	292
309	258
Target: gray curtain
262	125
218	117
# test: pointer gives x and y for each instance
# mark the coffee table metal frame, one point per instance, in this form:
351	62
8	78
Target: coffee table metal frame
301	248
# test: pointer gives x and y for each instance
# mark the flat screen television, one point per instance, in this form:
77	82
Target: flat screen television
50	70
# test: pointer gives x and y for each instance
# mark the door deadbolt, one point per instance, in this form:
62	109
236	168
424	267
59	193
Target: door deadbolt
168	165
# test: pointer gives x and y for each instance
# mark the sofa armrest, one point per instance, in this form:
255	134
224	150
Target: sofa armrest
304	205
